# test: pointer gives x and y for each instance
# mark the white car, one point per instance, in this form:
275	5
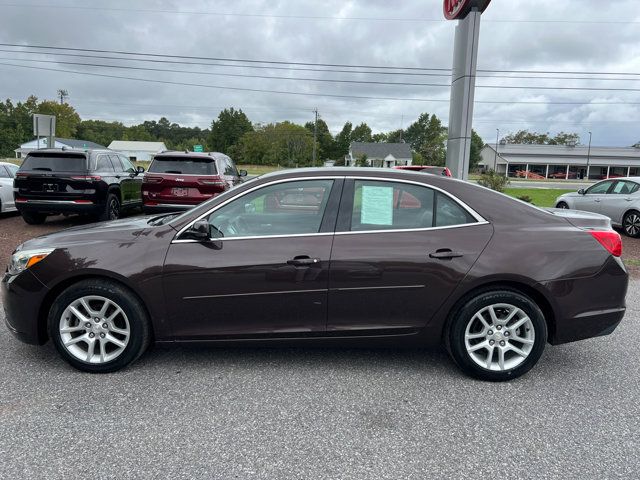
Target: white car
618	199
7	174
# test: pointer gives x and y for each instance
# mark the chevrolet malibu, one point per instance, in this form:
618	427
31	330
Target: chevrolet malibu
326	256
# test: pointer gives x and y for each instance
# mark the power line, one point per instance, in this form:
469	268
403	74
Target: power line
298	17
311	94
323	70
273	62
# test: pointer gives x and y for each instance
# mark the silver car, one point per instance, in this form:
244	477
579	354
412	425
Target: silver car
618	199
7	173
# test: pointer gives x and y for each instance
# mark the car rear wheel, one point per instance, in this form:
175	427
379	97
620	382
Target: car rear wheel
112	208
631	224
98	326
34	218
563	205
497	335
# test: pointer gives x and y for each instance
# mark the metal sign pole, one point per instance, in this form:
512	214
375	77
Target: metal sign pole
463	83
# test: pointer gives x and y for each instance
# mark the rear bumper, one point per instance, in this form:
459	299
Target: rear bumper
58	206
166	207
21	297
591	306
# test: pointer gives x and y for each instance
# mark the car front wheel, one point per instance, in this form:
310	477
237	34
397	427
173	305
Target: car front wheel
497	335
563	205
631	224
98	326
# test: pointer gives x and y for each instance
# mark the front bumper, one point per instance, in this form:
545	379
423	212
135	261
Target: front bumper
21	297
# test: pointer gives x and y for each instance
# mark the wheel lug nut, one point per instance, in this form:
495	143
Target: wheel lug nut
506	334
97	320
102	335
104	325
91	335
490	332
491	342
88	325
499	327
502	343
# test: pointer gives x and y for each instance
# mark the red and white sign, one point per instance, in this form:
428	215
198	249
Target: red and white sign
458	9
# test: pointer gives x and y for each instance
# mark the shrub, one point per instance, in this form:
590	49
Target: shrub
493	180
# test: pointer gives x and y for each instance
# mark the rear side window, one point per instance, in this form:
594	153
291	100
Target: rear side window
57	163
103	164
12	170
396	206
183	165
4	173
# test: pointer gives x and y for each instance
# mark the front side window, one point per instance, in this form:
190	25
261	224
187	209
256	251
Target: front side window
289	208
379	205
12	170
4	173
127	165
116	163
600	188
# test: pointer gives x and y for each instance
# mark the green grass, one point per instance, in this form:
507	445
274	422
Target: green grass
259	169
540	197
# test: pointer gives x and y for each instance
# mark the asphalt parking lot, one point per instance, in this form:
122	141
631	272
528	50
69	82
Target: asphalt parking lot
321	413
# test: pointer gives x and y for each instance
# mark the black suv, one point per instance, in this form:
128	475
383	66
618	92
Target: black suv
100	183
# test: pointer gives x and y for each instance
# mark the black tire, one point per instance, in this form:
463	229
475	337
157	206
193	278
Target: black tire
112	209
139	326
456	331
562	205
34	218
631	224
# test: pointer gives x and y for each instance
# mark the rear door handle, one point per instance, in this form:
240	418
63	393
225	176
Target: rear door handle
629	199
303	261
445	254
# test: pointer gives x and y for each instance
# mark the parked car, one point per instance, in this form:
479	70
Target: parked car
99	183
444	171
326	256
563	175
617	199
180	180
7	174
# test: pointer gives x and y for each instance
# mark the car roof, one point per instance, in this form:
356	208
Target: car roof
186	155
90	151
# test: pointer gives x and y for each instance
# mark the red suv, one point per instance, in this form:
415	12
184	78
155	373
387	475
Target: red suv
180	180
444	171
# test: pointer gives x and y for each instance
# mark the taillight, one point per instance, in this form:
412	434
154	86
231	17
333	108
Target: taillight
21	174
150	179
87	177
212	181
610	240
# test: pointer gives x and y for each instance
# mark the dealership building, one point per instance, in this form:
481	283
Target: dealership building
561	161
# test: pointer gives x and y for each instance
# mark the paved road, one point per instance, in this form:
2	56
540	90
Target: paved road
560	185
305	413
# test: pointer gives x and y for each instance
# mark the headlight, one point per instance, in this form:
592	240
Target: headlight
24	259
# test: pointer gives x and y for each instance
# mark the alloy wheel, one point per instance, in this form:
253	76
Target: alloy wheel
499	337
632	224
114	209
94	329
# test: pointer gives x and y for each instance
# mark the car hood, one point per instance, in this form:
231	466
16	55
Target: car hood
124	230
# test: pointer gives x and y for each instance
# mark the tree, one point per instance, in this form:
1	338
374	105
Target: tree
361	161
477	144
67	119
525	137
343	140
362	133
428	137
16	124
395	136
228	129
380	137
282	143
326	143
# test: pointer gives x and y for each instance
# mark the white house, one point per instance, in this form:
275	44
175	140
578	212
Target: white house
379	154
71	143
141	151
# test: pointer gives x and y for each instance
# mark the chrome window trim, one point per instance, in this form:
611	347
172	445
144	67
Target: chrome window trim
480	220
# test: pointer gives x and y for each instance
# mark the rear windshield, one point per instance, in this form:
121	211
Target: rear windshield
184	165
55	163
433	170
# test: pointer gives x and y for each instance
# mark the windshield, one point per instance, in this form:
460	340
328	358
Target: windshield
184	165
57	163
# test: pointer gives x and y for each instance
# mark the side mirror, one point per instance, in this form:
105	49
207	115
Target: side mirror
199	231
581	191
140	170
242	173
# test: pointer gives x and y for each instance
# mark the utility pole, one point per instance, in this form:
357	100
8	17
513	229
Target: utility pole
401	125
62	94
495	157
315	137
588	155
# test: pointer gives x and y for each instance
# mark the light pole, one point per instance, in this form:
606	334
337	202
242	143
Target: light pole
588	155
495	156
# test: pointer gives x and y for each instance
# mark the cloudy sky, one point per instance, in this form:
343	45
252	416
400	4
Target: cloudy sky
542	36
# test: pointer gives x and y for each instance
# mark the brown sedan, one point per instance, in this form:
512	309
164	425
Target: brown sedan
326	256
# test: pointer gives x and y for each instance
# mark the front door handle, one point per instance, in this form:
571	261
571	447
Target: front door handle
445	254
303	261
629	199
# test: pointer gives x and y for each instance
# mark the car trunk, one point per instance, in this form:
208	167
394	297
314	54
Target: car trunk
182	180
59	176
580	219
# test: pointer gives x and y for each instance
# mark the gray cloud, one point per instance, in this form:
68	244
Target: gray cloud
504	45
